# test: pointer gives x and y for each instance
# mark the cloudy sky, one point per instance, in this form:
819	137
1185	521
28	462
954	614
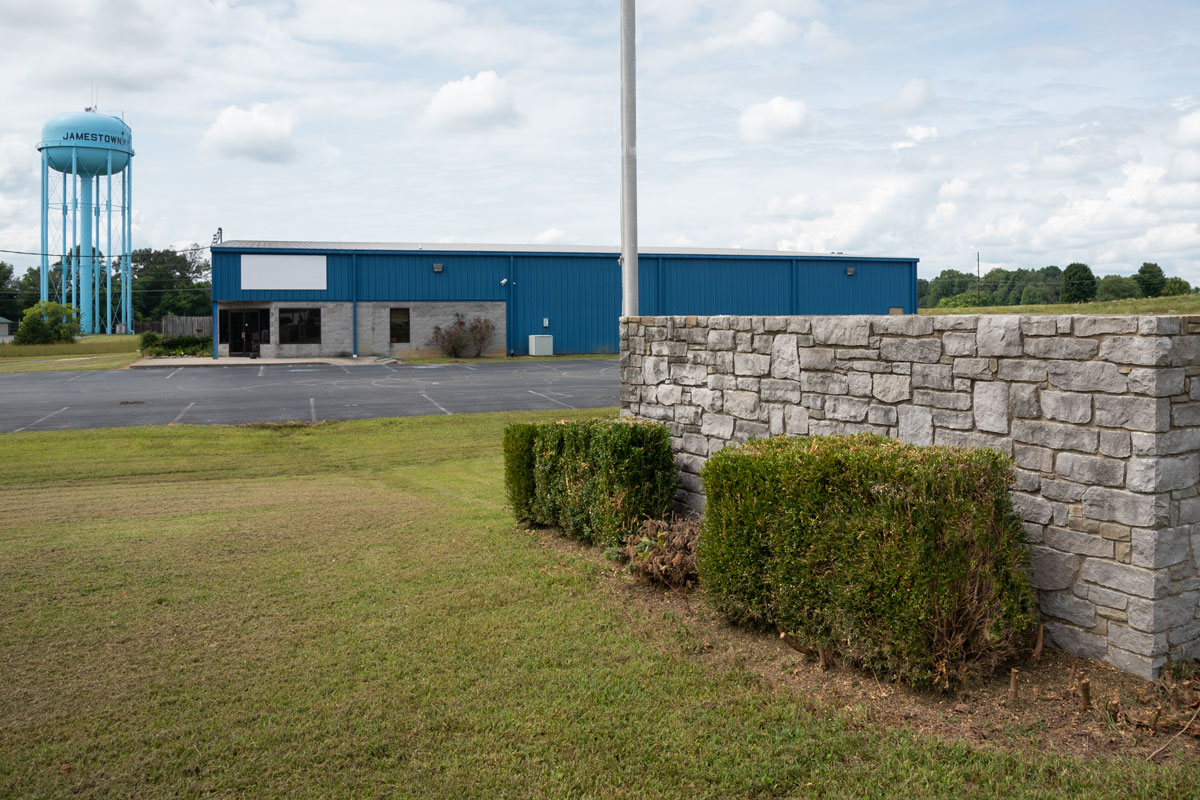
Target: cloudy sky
1033	133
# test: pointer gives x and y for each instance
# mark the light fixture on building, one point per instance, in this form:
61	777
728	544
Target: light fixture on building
437	267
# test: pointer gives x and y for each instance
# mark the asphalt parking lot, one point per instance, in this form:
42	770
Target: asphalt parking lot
296	392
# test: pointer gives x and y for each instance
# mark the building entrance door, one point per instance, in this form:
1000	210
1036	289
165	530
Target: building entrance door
248	330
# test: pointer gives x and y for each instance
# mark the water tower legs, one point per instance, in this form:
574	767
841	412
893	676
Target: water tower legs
85	255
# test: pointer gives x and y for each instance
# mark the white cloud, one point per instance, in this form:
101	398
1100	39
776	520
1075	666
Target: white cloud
1185	166
912	97
1188	133
550	236
778	118
954	189
820	38
917	134
471	104
767	29
259	134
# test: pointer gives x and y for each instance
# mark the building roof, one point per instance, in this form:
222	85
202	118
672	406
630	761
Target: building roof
4	320
569	249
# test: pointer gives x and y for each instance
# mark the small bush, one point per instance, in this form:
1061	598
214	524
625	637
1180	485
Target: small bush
48	323
481	331
664	552
176	345
594	479
518	469
454	340
150	340
906	560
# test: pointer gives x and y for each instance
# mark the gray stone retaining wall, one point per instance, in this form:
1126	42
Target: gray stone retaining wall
1101	415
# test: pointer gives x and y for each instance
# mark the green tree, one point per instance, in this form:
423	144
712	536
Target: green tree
166	283
10	307
1035	295
949	283
48	323
1117	287
922	293
1078	284
1151	279
1175	286
969	299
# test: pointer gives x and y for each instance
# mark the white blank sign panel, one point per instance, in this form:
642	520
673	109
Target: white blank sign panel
283	272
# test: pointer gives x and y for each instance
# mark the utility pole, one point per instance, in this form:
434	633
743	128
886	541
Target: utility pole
978	281
629	237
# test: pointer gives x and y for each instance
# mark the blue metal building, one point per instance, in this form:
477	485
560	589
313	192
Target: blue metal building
338	298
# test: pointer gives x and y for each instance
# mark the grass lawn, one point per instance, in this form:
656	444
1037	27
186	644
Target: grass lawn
89	352
1180	304
346	610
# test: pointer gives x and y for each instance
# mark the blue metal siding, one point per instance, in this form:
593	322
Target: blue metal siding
580	294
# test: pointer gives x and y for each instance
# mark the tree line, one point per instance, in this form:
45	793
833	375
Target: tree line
164	283
1075	284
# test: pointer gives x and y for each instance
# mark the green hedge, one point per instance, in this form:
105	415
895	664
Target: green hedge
595	479
906	560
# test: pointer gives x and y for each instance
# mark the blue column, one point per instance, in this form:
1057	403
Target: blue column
216	330
354	302
44	276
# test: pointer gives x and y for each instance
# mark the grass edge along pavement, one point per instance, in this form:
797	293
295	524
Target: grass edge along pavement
87	353
353	613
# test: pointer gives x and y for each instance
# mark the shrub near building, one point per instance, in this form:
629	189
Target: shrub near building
906	560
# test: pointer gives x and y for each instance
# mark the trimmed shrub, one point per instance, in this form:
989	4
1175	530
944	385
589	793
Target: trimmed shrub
664	552
594	479
518	469
151	339
906	560
155	345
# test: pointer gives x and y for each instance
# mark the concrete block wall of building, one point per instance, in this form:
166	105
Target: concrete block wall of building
1100	414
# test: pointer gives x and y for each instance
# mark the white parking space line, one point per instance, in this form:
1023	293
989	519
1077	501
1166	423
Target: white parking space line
312	408
436	403
551	399
77	377
43	419
262	370
181	413
173	374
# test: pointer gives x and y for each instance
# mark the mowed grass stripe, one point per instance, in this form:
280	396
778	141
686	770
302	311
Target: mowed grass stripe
346	610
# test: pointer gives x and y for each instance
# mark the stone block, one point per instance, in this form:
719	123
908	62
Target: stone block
1163	474
974	368
851	331
1088	376
1162	547
1146	667
1063	491
655	369
718	425
687	415
932	376
1067	406
1182	440
1032	508
785	362
1164	613
959	344
689	374
999	335
1103	597
780	391
1115	531
1134	413
891	388
824	382
957	420
669	394
795	420
1076	641
775	419
1063	347
1115	444
1062	605
949	438
744	405
956	322
916	425
1125	578
918	350
707	399
1140	642
720	340
1027	481
816	358
1141	350
1033	457
1023	401
903	325
1156	382
1084	544
799	325
882	415
1118	505
859	384
1095	326
959	401
991	406
1093	470
1055	435
1160	325
1185	415
840	428
1039	326
1021	370
744	431
846	409
752	364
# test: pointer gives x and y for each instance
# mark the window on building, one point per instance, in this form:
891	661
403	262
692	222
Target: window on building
299	326
400	331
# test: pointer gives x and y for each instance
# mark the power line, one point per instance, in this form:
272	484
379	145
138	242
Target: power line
180	251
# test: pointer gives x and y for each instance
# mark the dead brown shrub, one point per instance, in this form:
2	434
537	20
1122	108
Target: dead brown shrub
664	552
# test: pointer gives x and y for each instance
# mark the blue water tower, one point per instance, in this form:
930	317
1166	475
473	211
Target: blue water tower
89	148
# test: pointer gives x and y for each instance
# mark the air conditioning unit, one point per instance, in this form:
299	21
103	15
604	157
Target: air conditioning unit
541	345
